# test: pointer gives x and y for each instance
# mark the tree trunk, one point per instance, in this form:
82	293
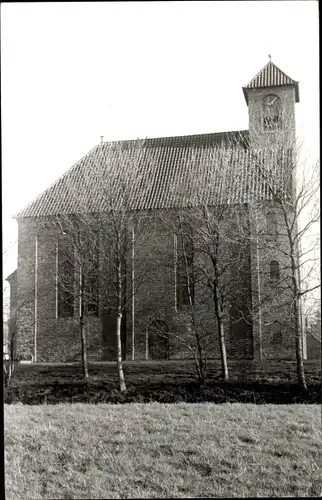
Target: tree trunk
119	353
295	313
119	316
222	344
297	322
223	353
82	327
12	356
200	369
84	351
298	348
200	365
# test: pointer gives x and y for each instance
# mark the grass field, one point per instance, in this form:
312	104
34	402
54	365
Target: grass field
165	382
155	450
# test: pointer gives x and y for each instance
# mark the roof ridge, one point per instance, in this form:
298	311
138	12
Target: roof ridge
55	182
174	137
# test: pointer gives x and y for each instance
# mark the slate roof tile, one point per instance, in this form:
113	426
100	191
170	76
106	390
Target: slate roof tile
159	173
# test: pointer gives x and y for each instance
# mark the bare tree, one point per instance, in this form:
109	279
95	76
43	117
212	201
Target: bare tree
10	362
115	178
221	254
290	210
186	314
78	271
101	223
227	259
9	308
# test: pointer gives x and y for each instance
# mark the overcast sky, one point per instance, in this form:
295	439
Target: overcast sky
72	72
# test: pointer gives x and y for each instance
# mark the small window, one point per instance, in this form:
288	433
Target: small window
274	271
277	332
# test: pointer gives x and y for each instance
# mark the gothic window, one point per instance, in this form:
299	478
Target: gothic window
274	271
91	273
185	271
277	332
66	278
272	112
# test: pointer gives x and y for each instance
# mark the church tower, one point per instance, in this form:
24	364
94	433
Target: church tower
271	96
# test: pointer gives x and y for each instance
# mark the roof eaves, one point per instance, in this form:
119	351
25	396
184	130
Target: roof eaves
12	275
296	85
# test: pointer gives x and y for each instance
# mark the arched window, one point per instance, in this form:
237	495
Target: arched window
274	271
272	112
91	272
277	332
66	277
185	269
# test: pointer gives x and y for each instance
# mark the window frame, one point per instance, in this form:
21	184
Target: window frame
271	126
182	293
65	281
91	293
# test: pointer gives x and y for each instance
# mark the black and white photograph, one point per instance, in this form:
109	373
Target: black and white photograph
161	249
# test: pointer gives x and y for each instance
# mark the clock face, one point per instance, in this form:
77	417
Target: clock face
269	100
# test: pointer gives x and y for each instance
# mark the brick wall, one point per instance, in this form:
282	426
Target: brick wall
26	288
275	296
156	300
58	339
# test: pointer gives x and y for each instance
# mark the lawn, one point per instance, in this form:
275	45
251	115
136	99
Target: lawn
162	451
164	382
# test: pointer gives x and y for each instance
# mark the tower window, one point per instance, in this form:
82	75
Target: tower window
272	112
274	271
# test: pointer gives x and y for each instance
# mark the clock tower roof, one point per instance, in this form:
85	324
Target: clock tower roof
271	76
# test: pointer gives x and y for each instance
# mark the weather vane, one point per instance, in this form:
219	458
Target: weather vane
270	57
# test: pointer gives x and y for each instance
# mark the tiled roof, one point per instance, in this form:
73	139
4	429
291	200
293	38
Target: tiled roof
160	173
271	76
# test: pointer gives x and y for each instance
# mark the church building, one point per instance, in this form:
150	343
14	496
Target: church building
155	180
